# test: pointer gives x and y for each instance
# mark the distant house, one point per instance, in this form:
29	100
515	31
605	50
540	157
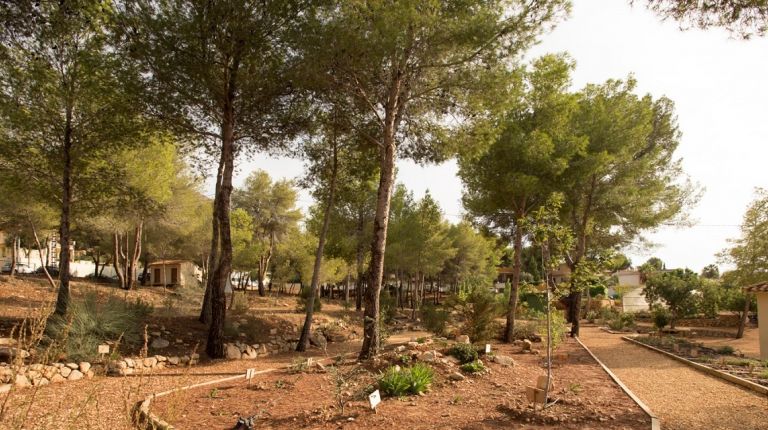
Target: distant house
633	299
178	273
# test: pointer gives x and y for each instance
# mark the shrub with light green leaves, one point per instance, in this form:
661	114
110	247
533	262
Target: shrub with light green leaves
476	366
464	352
398	382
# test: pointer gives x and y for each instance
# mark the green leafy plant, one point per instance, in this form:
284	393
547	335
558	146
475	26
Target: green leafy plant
477	309
526	330
465	352
476	366
398	382
303	299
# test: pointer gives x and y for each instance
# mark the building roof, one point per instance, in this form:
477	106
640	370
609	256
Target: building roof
762	287
168	262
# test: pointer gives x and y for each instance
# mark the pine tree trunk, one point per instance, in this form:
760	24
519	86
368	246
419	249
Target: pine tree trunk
14	256
512	305
215	345
205	311
116	260
359	261
37	242
371	339
62	298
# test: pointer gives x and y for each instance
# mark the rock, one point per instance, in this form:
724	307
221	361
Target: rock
89	374
159	343
85	366
22	381
5	388
73	366
318	340
250	353
320	366
184	359
504	360
526	345
173	360
161	358
129	362
150	362
8	353
273	331
462	339
156	334
456	376
195	356
65	371
428	356
57	378
232	352
413	345
41	381
76	375
400	348
6	341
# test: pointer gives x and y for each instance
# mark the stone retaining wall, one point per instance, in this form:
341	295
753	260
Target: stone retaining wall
41	374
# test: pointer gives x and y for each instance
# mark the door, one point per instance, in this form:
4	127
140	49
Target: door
174	275
156	277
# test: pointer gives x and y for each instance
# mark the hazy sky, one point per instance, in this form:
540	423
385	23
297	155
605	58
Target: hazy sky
718	85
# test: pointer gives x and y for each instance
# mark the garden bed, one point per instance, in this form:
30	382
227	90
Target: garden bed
721	359
308	397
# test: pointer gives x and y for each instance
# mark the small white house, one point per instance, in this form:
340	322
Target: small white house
177	273
633	299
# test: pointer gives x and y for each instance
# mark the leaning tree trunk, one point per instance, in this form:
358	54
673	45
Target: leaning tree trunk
133	263
117	252
39	253
371	338
14	256
304	338
509	331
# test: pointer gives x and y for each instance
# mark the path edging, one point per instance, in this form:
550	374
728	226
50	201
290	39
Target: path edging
706	369
655	423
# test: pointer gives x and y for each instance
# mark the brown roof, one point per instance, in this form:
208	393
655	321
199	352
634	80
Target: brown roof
762	287
167	262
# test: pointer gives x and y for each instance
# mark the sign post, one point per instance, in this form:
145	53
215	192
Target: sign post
374	398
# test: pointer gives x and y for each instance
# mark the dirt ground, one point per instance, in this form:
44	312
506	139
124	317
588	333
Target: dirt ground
586	398
682	397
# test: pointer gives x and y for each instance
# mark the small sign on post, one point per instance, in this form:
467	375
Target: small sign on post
374	398
249	374
487	348
103	349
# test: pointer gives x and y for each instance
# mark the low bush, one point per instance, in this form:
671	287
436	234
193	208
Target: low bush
464	352
661	317
525	330
303	300
473	367
398	382
435	318
621	321
725	350
388	306
477	307
90	323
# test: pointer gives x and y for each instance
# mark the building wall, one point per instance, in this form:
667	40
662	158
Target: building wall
634	301
762	323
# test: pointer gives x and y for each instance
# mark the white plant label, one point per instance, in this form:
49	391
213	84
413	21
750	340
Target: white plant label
374	398
487	348
249	374
103	349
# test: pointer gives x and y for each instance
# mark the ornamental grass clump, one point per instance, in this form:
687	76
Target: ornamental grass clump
397	382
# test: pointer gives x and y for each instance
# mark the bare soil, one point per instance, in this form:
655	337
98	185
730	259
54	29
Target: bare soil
586	398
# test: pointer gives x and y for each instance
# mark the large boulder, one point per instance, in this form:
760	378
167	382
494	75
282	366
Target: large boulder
232	352
249	353
504	360
462	339
318	339
76	375
159	343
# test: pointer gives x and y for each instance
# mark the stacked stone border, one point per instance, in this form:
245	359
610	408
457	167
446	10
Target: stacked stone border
706	369
655	423
143	418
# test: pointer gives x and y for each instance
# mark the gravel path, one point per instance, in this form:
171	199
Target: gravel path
682	397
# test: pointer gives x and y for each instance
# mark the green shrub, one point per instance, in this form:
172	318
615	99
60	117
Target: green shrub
478	309
464	352
473	367
413	380
598	290
661	317
558	326
435	318
388	306
303	299
525	330
725	350
621	321
239	302
90	323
